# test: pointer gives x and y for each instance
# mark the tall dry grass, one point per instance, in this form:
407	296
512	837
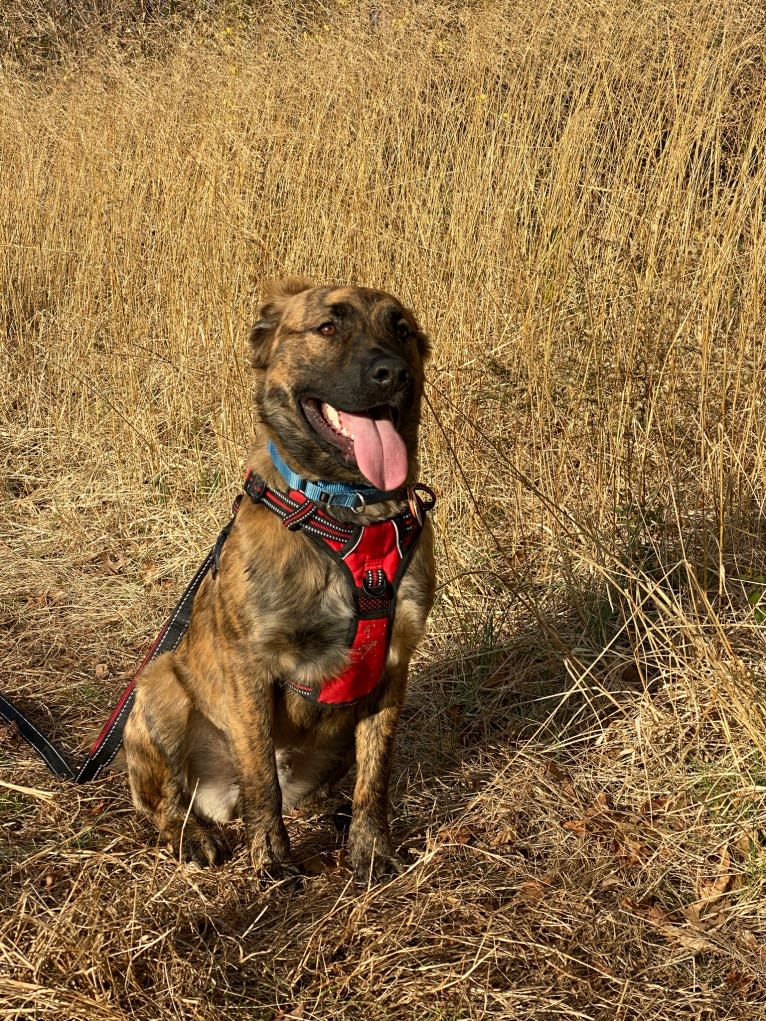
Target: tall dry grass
571	196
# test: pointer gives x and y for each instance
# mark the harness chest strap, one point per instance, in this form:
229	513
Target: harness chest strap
374	558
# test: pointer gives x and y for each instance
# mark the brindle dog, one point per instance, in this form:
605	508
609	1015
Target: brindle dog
215	731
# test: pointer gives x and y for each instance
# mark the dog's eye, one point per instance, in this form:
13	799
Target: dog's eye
402	330
327	329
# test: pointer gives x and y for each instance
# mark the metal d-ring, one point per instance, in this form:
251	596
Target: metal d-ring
363	505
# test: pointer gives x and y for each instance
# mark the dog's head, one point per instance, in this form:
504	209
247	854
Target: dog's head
340	380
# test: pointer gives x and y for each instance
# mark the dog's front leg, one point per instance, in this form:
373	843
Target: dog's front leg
369	843
253	746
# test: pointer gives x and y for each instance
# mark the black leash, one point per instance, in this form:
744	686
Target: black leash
108	742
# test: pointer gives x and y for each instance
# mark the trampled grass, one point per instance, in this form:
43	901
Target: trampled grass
571	197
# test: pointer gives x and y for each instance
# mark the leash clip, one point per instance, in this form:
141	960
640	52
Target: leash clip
418	506
342	500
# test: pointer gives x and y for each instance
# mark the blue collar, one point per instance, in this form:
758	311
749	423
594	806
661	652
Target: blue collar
333	494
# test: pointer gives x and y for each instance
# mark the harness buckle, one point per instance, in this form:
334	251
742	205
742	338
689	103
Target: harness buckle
255	486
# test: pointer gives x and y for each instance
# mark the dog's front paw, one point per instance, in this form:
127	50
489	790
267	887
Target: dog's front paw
196	843
270	852
371	856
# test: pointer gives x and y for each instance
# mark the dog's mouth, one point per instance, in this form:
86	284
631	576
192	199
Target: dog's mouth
367	439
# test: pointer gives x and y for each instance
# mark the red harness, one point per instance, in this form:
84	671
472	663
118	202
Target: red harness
374	558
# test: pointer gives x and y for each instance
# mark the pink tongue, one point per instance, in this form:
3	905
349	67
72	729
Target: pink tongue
379	449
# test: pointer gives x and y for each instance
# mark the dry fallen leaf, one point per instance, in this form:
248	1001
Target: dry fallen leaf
578	826
112	563
149	572
503	837
456	834
690	936
630	850
750	840
9	734
296	1013
610	882
53	597
596	816
689	939
710	890
531	892
601	803
318	864
555	772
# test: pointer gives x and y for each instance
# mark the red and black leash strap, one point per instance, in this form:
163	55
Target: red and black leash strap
108	742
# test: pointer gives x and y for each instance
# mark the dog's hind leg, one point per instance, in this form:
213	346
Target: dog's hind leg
156	749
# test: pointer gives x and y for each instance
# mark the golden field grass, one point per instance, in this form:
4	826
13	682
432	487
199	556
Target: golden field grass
572	198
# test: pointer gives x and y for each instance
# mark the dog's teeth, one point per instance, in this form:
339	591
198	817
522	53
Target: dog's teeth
333	418
331	415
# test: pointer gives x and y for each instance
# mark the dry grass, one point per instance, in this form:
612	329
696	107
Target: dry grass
572	197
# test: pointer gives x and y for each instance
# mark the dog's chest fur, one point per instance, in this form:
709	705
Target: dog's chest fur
289	603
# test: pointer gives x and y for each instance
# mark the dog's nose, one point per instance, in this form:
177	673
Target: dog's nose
389	370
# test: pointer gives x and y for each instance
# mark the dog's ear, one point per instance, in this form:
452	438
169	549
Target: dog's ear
275	299
424	344
421	337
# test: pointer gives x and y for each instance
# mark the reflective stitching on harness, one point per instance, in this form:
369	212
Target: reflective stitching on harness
353	548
